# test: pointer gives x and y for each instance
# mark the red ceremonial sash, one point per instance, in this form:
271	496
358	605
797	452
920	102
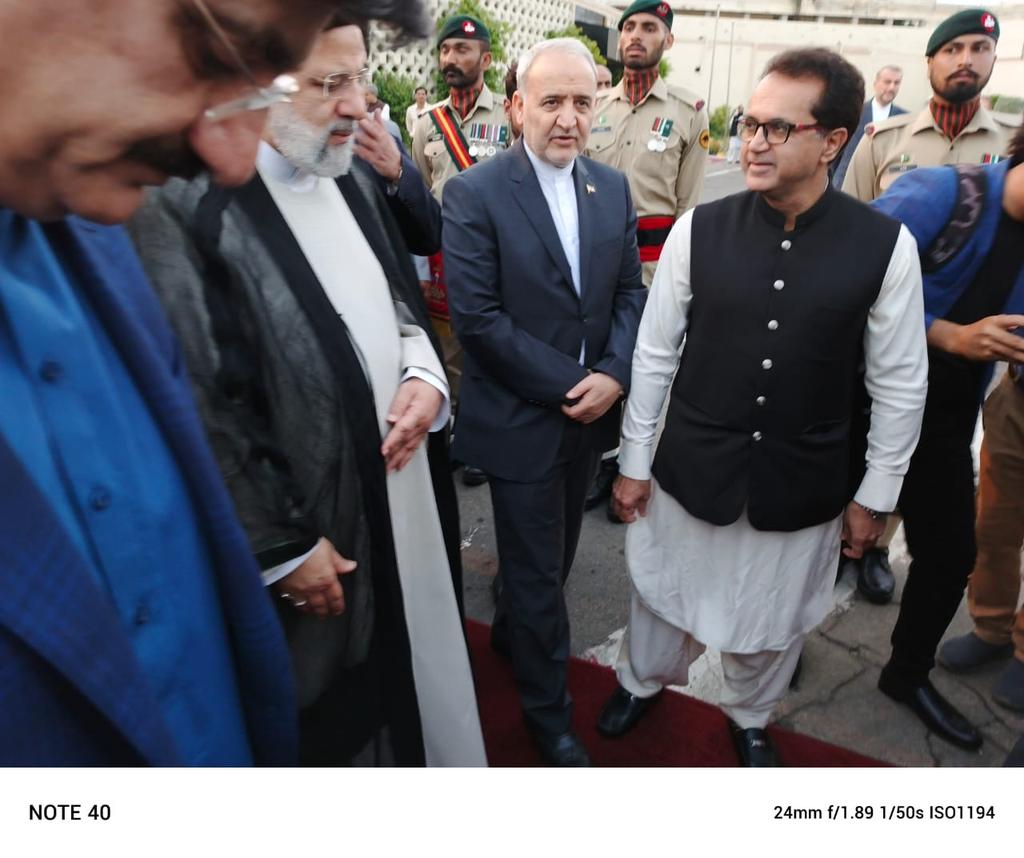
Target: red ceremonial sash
454	142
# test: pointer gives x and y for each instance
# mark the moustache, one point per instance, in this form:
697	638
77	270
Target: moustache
343	126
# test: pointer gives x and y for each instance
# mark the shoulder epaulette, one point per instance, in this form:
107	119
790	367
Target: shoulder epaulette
1008	120
689	98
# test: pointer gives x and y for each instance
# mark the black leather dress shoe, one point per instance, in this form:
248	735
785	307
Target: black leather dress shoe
473	476
934	710
875	581
564	750
601	488
753	747
621	712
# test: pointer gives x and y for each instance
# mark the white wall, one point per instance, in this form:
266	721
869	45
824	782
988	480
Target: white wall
754	42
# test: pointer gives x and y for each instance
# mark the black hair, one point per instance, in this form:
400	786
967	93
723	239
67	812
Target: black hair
511	85
406	19
1016	148
842	92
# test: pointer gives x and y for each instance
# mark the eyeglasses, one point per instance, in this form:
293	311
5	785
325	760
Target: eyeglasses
339	84
776	131
260	97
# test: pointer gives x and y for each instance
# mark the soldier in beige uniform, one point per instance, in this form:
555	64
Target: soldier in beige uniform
953	128
658	136
478	113
469	126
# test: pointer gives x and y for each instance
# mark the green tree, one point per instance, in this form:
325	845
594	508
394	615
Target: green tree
397	91
574	32
1007	103
719	122
494	77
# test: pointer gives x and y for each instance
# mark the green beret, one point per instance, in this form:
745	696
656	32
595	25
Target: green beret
969	22
463	27
658	8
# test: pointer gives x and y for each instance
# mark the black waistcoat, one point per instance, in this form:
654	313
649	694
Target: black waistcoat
759	413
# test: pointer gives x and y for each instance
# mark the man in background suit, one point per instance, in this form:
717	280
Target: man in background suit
546	294
881	106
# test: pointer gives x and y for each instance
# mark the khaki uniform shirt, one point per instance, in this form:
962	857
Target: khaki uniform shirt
664	164
481	128
903	143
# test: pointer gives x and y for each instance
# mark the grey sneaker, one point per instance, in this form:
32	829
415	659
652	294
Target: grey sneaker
969	652
1009	688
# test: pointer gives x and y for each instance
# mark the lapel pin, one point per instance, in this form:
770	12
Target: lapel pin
591	189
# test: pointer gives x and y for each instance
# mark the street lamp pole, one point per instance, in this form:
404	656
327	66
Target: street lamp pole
714	44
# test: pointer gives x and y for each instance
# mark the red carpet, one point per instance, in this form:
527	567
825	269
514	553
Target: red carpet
677	731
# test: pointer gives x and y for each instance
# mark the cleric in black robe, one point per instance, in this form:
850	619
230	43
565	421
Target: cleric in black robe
301	317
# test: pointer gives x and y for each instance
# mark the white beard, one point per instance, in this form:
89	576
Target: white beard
308	146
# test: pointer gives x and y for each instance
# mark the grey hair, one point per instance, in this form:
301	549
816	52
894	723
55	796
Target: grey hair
891	68
564	45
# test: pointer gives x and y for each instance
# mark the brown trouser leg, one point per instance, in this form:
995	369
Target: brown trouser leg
994	586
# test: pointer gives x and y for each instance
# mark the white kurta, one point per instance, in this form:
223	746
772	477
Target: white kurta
735	588
392	348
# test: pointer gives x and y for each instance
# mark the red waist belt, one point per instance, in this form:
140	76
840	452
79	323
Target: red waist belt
651	233
437	293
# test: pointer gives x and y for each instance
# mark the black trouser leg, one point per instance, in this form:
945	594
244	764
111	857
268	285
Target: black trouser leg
537	526
937	504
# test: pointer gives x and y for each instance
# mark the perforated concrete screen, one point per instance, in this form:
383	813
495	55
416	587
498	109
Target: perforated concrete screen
530	20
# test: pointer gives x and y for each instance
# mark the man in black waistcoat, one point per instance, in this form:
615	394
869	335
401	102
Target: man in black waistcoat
737	518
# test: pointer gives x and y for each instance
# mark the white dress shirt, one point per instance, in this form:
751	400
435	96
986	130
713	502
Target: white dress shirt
880	111
560	192
556	183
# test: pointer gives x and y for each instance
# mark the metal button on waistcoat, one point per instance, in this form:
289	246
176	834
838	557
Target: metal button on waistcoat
786	245
760	400
778	285
766	363
99	497
773	325
51	371
756	436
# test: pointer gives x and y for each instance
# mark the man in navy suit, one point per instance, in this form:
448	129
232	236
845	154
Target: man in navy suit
133	627
881	106
546	294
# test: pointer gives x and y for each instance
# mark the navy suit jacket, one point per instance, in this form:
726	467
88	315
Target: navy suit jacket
71	689
518	317
413	206
851	147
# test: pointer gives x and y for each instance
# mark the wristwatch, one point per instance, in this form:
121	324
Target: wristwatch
873	513
392	187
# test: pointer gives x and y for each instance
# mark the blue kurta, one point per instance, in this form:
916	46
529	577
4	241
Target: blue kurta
74	417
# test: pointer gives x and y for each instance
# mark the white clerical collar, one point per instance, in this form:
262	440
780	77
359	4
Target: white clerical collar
273	165
547	171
